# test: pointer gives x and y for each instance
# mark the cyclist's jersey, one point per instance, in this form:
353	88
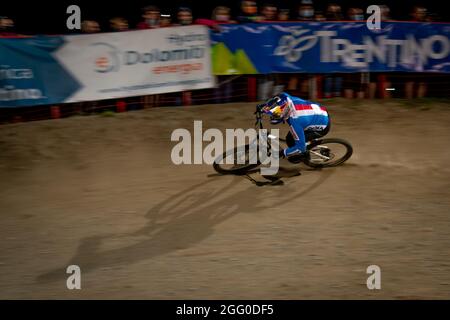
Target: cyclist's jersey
309	115
302	115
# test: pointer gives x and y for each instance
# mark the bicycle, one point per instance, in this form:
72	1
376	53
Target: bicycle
319	154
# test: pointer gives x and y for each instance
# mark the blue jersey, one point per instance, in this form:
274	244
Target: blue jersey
308	115
302	115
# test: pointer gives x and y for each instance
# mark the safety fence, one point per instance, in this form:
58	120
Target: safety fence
252	89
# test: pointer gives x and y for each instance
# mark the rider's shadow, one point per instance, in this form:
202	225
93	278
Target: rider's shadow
284	172
177	223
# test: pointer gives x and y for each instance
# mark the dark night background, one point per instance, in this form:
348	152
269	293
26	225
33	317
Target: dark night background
50	16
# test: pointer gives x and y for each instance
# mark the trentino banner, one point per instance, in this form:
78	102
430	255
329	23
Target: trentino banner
49	69
323	47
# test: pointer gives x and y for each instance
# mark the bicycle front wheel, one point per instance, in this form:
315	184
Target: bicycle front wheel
237	161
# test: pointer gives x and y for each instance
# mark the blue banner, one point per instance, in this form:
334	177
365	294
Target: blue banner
323	47
30	74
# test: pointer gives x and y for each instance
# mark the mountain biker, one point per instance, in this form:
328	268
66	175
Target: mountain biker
307	120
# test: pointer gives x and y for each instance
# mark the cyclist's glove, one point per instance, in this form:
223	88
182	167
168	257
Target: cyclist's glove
260	107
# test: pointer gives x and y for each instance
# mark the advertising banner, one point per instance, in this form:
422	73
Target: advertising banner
325	47
48	70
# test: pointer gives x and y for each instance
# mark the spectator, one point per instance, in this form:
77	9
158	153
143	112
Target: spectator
222	14
333	81
184	16
249	12
355	14
306	11
417	89
223	91
90	26
283	15
151	16
355	83
6	27
118	24
269	12
385	13
419	14
165	20
334	12
319	16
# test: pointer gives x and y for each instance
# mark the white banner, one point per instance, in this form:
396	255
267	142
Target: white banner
133	63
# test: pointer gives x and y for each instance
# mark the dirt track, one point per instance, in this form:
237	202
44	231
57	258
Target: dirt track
101	192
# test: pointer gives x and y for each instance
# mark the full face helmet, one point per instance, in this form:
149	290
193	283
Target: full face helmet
277	104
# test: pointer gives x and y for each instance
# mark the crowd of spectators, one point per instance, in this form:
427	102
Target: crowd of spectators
249	11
